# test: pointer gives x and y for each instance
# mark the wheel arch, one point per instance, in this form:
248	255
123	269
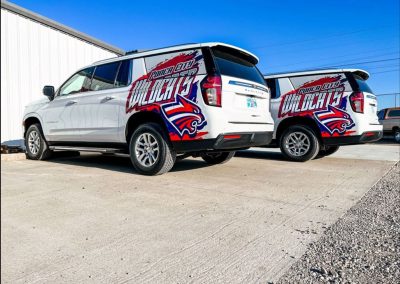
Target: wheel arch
298	120
29	120
140	118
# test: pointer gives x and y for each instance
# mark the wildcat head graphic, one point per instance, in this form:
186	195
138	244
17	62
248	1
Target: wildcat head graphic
184	115
334	120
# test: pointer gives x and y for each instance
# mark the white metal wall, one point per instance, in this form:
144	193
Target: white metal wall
34	55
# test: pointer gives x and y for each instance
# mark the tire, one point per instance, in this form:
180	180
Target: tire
142	150
214	158
329	150
308	144
397	135
35	143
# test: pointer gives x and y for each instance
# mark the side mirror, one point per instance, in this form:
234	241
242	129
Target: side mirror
48	91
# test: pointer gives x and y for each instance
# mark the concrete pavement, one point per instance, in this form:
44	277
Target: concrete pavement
92	219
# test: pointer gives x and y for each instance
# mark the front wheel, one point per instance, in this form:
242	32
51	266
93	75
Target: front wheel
299	143
150	150
217	157
35	144
329	150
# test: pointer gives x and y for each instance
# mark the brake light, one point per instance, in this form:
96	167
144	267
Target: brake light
211	88
357	102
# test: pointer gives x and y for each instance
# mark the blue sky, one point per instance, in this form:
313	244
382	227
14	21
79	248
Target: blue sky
285	35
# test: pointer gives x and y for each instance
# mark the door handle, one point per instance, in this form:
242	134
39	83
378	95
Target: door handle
106	99
70	103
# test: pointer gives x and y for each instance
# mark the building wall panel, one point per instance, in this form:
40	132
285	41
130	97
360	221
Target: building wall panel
34	55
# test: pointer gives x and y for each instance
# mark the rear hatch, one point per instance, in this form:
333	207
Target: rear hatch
370	102
245	97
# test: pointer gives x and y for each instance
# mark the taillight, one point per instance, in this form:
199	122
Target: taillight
357	102
211	88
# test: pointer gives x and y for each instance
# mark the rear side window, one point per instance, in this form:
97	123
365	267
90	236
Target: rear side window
362	84
104	76
175	64
273	85
381	114
394	113
321	82
124	74
235	64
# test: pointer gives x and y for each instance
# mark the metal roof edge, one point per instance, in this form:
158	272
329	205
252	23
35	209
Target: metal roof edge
53	24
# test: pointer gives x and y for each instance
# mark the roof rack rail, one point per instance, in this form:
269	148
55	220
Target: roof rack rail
133	51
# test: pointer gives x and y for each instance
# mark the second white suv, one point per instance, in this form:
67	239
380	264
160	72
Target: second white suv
203	100
317	111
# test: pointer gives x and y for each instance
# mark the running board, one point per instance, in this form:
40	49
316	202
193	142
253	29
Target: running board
87	149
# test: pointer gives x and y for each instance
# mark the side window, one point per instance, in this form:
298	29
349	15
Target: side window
381	115
273	85
285	86
104	76
78	83
394	113
124	74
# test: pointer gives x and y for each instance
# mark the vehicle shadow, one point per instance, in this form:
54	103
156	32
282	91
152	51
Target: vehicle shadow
386	140
119	163
265	155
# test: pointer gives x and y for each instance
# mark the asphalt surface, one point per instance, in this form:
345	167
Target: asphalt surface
363	246
93	219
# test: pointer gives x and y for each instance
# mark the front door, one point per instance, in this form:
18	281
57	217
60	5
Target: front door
62	118
101	108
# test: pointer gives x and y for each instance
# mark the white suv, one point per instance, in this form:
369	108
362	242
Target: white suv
317	111
203	100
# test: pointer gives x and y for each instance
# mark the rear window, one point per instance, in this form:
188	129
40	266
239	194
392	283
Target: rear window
362	84
236	64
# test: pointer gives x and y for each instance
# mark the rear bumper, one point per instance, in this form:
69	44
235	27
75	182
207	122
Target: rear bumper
366	137
226	141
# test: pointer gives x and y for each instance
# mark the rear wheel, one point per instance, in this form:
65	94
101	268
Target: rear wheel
299	143
35	143
397	135
217	157
150	150
329	150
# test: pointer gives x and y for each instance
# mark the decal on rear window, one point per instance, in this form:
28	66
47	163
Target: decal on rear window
170	88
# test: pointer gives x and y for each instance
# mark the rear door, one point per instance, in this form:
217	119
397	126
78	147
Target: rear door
245	97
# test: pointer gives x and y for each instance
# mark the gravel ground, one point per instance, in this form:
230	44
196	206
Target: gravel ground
361	247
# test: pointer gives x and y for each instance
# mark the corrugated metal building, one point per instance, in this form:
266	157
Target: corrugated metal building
36	51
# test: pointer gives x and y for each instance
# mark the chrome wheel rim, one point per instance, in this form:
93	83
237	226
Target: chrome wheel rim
397	136
34	142
147	150
297	144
